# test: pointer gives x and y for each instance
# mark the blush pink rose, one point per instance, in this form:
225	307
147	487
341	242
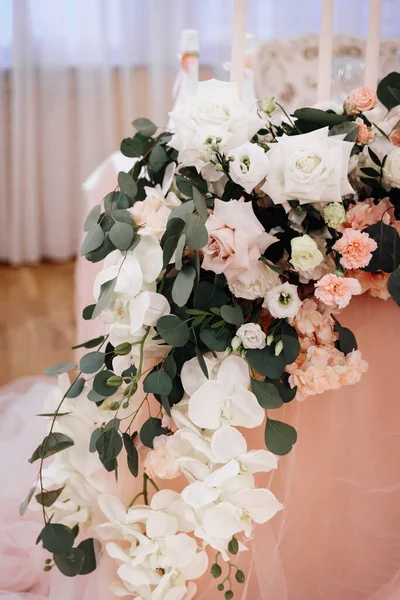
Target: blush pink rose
356	248
336	291
236	238
366	213
159	463
364	135
361	99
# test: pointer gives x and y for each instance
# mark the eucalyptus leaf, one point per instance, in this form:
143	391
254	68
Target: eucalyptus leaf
131	147
145	126
53	442
106	291
24	505
320	117
57	538
208	295
92	218
217	340
232	314
69	563
109	445
180	212
92	362
49	497
387	256
89	343
385	90
87	312
349	128
127	184
150	429
121	235
93	240
179	251
132	454
202	362
196	232
183	285
279	437
266	363
173	330
158	158
59	369
347	341
266	394
157	382
76	388
200	204
89	555
101	386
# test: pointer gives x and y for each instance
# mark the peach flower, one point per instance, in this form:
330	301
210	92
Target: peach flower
364	135
374	283
352	369
360	100
236	238
366	213
356	248
158	462
336	291
308	319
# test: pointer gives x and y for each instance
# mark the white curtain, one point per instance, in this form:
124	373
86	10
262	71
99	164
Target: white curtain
73	74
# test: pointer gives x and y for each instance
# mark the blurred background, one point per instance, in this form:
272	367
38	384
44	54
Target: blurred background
73	75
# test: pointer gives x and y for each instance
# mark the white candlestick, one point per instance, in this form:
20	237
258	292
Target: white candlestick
238	43
371	71
325	51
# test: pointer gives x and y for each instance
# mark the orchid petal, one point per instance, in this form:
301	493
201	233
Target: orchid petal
159	524
199	494
227	443
220	475
221	521
261	504
112	508
116	552
149	254
246	410
234	373
205	405
259	461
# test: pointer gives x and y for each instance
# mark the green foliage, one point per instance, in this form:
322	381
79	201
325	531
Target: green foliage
52	443
279	437
347	341
121	234
59	369
208	295
173	330
387	256
389	90
215	570
179	251
169	240
131	147
216	339
106	291
93	240
57	538
266	363
158	382
127	184
92	218
132	454
349	128
90	343
109	445
48	498
24	505
320	118
145	126
232	314
196	232
266	393
101	385
87	312
394	285
183	285
200	204
92	362
239	576
158	158
151	429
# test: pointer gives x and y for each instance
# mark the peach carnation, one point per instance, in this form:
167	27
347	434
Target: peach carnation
360	100
364	135
356	248
336	291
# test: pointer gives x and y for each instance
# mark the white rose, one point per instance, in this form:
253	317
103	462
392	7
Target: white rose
311	167
249	165
152	213
254	282
251	336
305	253
391	170
334	214
282	301
215	112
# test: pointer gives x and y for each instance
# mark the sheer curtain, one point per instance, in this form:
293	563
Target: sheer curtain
73	75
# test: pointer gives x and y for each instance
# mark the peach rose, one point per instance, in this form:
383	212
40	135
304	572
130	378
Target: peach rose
360	100
356	248
336	291
365	135
236	238
158	462
366	213
374	283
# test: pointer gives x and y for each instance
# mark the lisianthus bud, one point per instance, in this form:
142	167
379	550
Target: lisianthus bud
270	339
278	348
268	105
236	343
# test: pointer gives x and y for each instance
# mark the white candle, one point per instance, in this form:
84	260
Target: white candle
371	71
325	51
238	43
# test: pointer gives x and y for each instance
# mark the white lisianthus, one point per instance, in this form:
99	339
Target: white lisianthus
252	336
391	170
305	253
311	167
254	282
334	214
248	165
152	213
215	112
283	301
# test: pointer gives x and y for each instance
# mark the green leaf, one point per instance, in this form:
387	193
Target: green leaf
180	212
69	563
394	285
151	429
158	158
92	362
291	347
347	341
109	445
101	386
127	184
200	204
93	240
131	147
279	437
92	218
202	362
157	382
170	239
217	340
370	172
209	296
196	232
123	216
76	388
387	256
121	235
90	343
145	126
132	454
173	330
286	392
179	252
59	369
319	117
89	553
48	498
266	394
349	128
166	404
52	443
385	95
57	538
374	157
183	285
266	363
106	291
87	312
24	505
169	366
232	314
93	396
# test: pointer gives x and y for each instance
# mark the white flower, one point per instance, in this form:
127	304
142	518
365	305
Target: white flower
391	170
268	105
215	112
311	167
283	301
252	336
305	253
334	214
152	213
249	165
226	400
254	282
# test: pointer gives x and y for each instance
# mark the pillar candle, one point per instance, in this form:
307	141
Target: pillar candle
371	71
325	51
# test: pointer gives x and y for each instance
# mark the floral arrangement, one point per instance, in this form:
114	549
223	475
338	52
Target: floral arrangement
229	249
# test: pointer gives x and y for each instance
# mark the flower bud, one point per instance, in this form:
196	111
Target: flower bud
236	343
270	339
278	348
268	105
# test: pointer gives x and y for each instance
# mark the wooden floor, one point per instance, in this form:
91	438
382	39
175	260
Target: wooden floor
37	326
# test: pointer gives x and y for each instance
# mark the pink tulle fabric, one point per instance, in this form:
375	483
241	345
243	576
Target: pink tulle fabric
338	537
